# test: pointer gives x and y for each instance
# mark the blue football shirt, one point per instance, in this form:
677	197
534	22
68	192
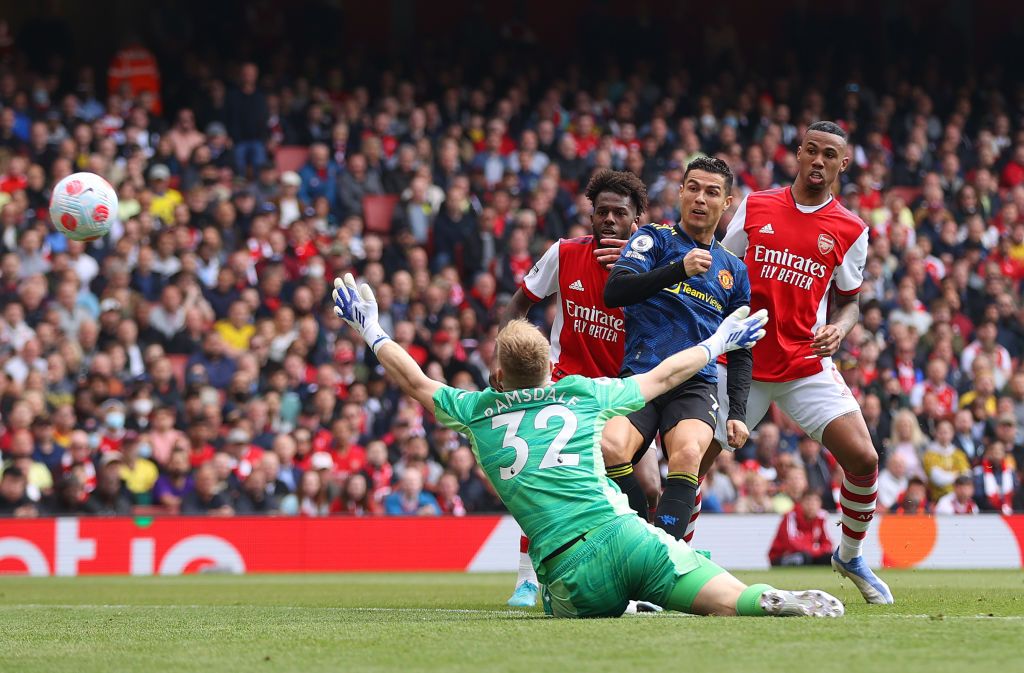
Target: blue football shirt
684	314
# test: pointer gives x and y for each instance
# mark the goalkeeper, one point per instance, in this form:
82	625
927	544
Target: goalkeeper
538	442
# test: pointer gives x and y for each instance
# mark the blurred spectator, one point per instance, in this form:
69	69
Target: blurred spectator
310	499
319	177
964	438
960	500
908	441
175	482
246	119
68	498
794	484
756	498
448	499
802	537
13	499
818	466
473	490
914	500
138	472
410	498
255	497
892	481
109	498
205	498
985	343
943	463
356	498
995	480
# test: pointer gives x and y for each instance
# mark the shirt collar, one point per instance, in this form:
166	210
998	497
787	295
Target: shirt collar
686	237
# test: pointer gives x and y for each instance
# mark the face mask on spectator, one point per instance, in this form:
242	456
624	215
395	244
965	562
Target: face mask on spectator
145	450
142	407
115	420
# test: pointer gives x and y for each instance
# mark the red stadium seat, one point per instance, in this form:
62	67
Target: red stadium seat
377	212
178	363
290	157
908	194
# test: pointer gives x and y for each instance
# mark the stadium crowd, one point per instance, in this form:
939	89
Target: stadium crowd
190	361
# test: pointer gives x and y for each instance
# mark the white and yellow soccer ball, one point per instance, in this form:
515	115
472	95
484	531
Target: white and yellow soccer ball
83	206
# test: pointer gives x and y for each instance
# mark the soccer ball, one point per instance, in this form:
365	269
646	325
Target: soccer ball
83	206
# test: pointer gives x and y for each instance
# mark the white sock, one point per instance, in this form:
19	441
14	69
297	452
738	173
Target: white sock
526	571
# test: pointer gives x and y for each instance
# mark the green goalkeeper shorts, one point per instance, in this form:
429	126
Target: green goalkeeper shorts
622	560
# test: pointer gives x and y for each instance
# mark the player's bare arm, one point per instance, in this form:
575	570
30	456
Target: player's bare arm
844	317
518	307
358	307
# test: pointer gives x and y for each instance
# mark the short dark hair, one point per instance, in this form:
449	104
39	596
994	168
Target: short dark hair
828	127
13	473
711	165
622	183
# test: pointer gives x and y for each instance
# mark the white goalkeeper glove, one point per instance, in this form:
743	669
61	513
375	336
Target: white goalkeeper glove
358	307
739	330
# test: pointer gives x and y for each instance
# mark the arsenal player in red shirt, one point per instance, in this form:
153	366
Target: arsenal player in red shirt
587	337
803	251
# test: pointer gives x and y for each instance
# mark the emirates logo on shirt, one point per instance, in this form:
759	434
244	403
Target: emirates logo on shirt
825	243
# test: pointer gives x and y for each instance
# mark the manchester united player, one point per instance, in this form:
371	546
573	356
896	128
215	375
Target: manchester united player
587	337
803	249
678	284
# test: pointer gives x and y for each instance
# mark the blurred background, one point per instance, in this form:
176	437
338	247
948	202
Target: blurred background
190	361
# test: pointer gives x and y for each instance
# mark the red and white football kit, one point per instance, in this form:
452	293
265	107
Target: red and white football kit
794	255
587	337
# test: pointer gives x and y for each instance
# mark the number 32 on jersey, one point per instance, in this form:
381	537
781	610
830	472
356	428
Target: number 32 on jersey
553	456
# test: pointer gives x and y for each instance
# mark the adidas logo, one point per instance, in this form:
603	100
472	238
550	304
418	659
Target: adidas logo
576	285
767	229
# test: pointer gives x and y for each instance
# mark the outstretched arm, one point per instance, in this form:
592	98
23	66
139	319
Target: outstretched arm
358	307
739	330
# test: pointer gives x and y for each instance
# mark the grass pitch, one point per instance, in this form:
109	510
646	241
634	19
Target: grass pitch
943	621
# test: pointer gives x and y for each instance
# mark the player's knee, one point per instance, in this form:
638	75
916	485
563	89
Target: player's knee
863	461
615	449
685	456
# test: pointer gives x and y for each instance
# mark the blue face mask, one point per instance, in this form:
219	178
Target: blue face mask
145	450
115	420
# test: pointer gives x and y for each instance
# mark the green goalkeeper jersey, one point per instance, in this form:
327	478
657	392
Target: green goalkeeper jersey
540	448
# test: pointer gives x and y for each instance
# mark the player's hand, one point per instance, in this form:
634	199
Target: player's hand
826	341
696	262
736	433
739	330
610	251
607	255
358	307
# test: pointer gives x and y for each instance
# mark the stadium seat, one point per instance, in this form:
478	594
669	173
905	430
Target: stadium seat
290	157
908	194
178	364
377	212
